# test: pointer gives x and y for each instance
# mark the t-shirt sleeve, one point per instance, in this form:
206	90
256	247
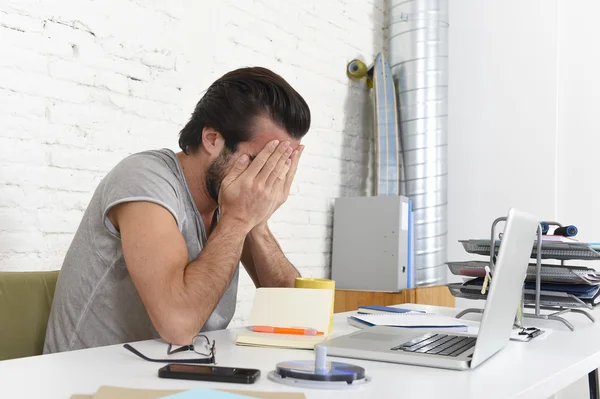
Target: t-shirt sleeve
140	177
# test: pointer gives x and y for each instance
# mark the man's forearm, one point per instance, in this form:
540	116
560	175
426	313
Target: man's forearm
206	278
271	266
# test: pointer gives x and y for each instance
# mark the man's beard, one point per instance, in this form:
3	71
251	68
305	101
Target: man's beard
216	173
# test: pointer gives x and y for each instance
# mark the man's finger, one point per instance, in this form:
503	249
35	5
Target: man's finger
261	159
239	166
293	167
280	170
275	163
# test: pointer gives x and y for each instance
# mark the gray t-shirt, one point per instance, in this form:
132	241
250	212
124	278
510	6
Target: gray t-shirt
95	302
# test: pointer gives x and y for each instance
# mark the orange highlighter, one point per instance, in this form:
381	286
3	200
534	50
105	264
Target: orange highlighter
285	330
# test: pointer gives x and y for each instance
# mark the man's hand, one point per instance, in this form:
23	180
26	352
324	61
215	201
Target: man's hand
282	190
250	194
262	256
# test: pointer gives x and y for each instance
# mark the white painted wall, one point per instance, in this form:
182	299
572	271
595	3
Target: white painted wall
85	83
579	117
523	112
502	113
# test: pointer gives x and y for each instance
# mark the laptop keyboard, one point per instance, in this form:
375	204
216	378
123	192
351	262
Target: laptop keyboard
438	344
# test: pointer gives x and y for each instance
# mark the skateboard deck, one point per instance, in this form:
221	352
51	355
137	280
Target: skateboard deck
387	134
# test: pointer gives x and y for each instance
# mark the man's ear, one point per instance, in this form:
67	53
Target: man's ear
212	141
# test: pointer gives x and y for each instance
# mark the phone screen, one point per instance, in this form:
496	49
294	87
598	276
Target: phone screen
186	368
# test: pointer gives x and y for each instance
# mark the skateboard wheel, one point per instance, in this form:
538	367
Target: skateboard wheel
369	83
356	69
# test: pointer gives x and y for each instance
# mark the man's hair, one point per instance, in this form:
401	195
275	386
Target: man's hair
233	102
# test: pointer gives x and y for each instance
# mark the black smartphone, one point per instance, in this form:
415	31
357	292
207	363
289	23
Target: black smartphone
209	373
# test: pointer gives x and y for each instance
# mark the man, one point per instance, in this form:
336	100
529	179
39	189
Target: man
157	251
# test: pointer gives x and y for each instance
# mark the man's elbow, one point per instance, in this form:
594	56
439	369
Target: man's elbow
178	330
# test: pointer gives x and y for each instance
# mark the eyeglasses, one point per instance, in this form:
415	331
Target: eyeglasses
200	344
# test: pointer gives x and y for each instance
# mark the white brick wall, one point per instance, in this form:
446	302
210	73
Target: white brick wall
83	84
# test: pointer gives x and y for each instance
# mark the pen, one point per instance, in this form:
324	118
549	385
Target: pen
285	330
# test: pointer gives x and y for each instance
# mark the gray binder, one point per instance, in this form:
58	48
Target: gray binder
370	243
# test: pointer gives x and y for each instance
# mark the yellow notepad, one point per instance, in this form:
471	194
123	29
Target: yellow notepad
279	340
288	307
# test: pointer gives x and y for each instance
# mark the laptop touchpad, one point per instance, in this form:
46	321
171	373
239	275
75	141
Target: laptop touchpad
375	336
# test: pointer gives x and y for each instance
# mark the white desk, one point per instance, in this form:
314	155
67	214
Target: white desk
537	369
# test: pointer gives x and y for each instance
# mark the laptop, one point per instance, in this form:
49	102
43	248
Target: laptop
458	351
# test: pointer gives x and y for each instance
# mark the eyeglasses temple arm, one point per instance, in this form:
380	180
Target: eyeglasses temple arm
182	349
138	353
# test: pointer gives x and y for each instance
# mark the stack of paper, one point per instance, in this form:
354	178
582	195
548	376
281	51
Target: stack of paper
426	321
384	309
567	295
549	273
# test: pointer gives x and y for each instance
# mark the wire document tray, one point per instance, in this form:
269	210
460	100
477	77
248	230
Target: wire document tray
578	299
550	250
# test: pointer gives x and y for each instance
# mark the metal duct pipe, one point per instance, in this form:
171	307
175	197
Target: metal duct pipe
418	34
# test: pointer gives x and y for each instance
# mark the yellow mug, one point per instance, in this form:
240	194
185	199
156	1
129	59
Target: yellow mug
319	283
